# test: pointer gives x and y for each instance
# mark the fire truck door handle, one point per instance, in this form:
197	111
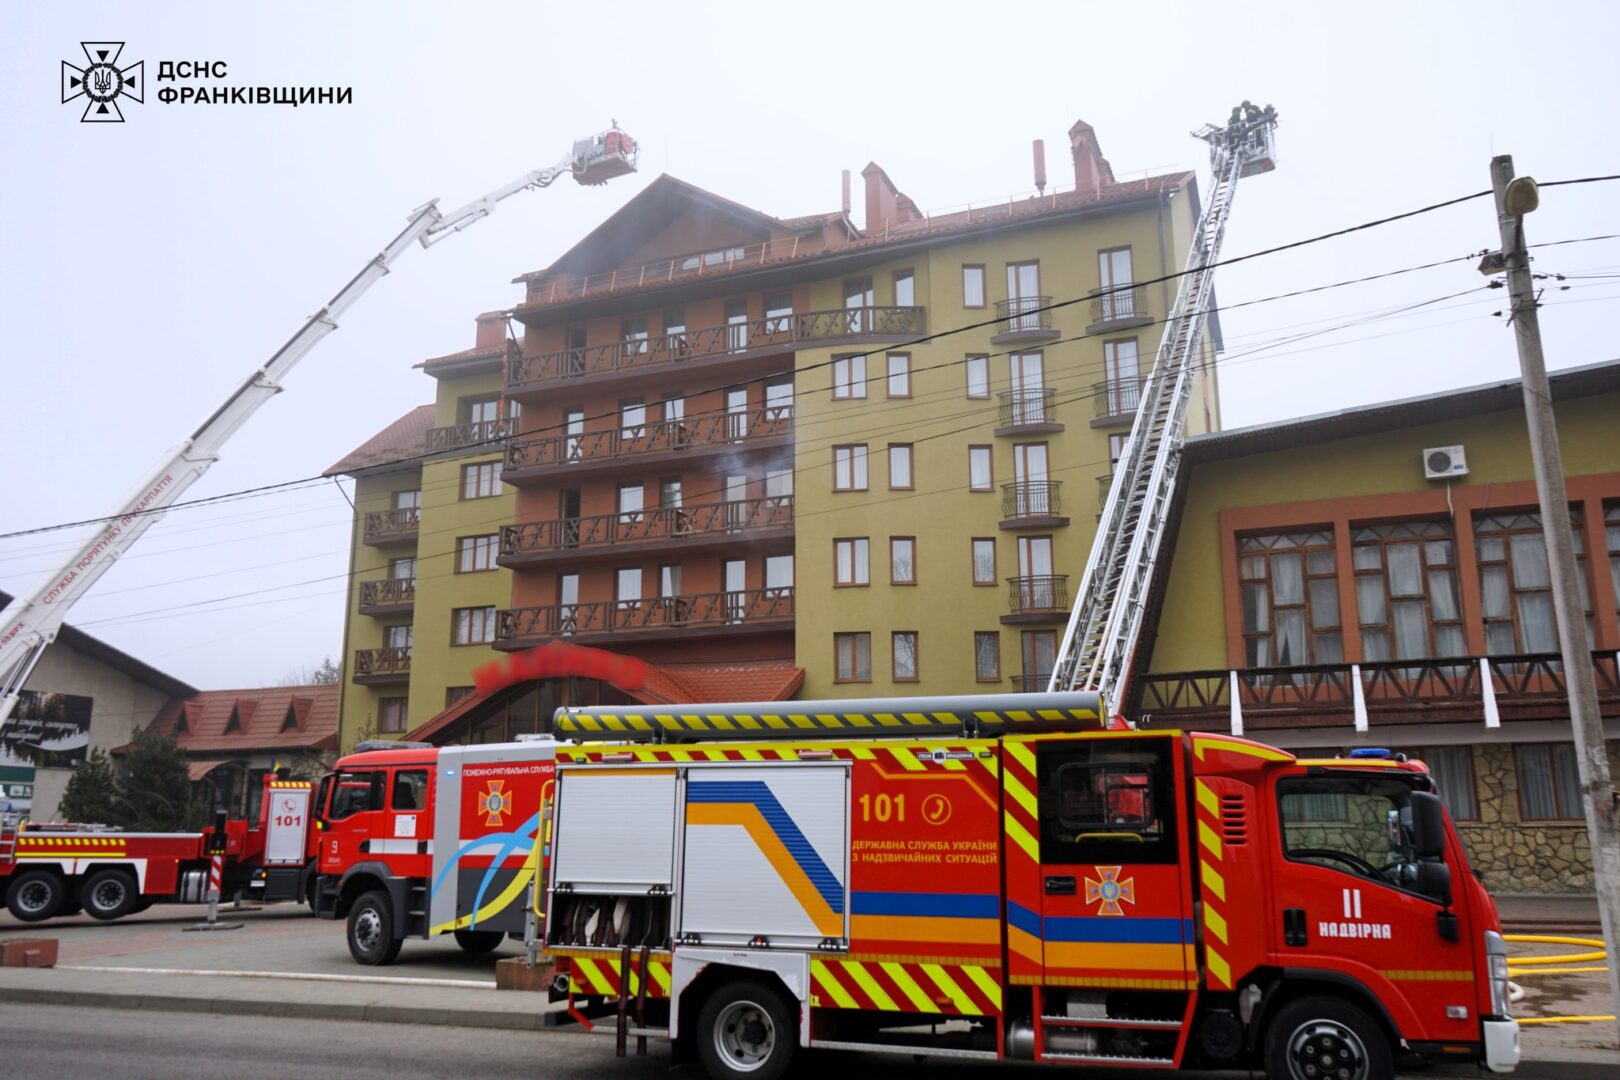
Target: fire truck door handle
1060	885
1294	926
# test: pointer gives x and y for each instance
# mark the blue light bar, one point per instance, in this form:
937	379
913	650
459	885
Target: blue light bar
1370	752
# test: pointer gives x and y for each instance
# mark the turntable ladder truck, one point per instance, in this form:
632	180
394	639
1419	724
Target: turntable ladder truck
31	622
1100	642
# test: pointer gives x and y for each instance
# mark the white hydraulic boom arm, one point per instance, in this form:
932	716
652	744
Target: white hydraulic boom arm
30	623
1099	646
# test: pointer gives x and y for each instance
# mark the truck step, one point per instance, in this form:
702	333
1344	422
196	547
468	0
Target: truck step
1108	1059
907	1051
1109	1022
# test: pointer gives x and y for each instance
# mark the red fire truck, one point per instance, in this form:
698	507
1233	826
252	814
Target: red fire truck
48	870
995	878
417	841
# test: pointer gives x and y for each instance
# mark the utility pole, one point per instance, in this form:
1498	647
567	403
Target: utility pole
1514	199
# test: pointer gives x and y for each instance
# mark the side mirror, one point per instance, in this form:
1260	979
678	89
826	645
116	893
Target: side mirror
1428	826
1433	879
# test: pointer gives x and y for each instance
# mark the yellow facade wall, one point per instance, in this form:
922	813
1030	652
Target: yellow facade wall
360	708
945	608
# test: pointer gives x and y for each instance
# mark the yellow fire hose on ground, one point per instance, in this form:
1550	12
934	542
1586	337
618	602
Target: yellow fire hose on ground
1520	966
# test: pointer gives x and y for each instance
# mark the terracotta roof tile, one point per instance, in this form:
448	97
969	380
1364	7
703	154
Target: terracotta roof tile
488	352
264	714
404	438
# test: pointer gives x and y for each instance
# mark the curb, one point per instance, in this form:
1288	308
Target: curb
301	1010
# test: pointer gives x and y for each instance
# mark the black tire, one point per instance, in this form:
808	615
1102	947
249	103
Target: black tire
745	1030
1326	1038
371	930
108	894
479	941
35	895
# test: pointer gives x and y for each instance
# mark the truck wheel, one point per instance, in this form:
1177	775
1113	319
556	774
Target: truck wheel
371	930
1326	1038
744	1030
35	895
108	894
479	941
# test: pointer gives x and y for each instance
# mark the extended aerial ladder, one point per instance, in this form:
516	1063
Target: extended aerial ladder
1100	642
30	623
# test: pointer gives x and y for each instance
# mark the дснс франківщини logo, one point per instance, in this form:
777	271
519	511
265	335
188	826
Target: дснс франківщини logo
103	82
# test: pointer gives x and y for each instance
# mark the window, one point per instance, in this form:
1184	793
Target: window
1290	595
627	588
1120	366
480	410
850	562
1453	770
1028	371
1031	484
669	581
1611	521
475	553
391	715
900	466
857	302
737	325
567	603
778	575
779	483
778	402
675	332
1114	271
905	289
1106	803
1037	587
902	560
986	656
973	286
574	434
481	481
1039	649
1549	782
978	376
852	657
356	792
669	493
849	377
453	694
398	637
674	408
903	649
632	498
899	374
1514	585
410	790
402	569
1406	590
1023	296
979	474
407	500
473	626
849	467
779	313
635	337
1355	825
984	561
632	419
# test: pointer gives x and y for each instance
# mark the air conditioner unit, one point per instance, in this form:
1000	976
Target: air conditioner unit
1444	462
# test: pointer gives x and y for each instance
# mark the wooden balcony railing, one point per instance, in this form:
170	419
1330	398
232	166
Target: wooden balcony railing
748	606
664	523
387	593
485	434
772	332
1036	406
1030	499
1030	595
1120	305
382	525
1118	397
393	662
1023	314
680	267
1524	686
663	436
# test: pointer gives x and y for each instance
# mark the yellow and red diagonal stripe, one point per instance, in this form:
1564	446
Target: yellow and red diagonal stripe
906	986
1210	866
599	974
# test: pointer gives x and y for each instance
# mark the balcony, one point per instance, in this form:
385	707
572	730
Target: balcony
646	445
484	436
693	265
605	621
1041	599
1028	412
680	528
1030	684
1105	484
387	596
1525	687
1117	400
392	526
1024	318
386	665
1120	308
711	346
1031	504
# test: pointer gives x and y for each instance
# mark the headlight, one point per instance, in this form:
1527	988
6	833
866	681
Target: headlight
1497	965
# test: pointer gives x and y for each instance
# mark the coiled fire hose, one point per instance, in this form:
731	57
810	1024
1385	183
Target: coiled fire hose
1559	964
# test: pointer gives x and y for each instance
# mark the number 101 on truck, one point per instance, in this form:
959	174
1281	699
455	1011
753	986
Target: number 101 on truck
1000	878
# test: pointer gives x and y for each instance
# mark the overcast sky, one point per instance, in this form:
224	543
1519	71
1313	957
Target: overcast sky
146	268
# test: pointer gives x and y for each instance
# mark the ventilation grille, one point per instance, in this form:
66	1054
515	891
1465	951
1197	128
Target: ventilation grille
1234	820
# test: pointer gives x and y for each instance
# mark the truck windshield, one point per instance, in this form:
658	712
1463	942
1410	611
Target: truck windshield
1361	825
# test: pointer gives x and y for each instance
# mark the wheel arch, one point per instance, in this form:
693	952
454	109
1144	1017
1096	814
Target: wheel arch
362	878
699	972
1301	982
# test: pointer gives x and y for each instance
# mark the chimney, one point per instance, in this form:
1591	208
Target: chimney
1040	166
1092	172
846	193
491	330
881	199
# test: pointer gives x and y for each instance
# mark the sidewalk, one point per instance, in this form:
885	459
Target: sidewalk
1545	912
